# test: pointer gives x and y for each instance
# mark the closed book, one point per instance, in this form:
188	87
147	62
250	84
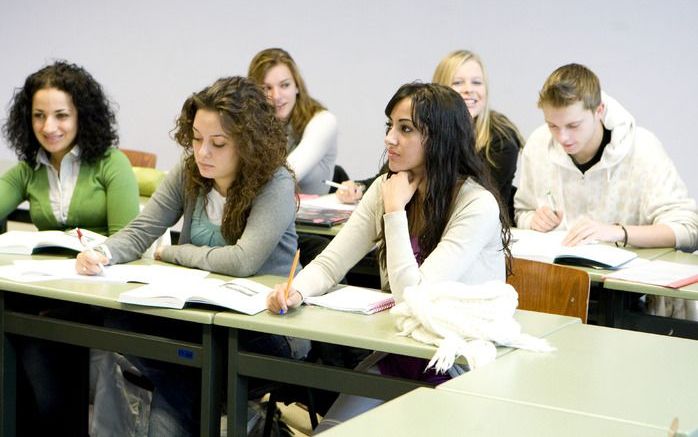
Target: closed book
321	216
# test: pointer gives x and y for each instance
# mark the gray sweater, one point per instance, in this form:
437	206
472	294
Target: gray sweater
266	246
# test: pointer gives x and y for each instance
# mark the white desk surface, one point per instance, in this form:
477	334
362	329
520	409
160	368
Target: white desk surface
428	412
613	373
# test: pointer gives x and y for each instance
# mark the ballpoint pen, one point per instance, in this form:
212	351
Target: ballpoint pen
551	201
81	239
335	185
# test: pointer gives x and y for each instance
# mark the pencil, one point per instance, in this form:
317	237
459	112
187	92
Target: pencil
292	273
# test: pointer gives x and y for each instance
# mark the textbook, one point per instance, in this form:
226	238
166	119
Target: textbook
321	216
658	272
242	295
353	299
28	242
547	247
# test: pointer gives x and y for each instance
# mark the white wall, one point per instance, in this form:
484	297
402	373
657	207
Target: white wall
150	55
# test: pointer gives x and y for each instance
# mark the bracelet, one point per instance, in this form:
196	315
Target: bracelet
625	235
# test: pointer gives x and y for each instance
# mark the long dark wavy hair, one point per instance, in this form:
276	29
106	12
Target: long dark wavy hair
443	119
97	130
247	117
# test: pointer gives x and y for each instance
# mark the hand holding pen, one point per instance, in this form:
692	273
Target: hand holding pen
547	217
348	191
89	262
284	296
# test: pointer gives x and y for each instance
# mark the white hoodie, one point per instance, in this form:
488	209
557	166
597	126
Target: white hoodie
634	183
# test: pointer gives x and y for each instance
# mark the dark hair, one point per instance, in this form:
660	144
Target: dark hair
443	119
259	137
96	121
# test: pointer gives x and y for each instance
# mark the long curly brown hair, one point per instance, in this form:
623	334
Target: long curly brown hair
247	118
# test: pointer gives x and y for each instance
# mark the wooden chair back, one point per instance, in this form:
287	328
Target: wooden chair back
550	288
140	159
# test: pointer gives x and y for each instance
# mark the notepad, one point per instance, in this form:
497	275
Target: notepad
547	247
354	299
658	272
28	242
242	295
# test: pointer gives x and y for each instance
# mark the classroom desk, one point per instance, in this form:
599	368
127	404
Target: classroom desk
426	412
206	354
319	230
624	290
375	332
597	275
605	372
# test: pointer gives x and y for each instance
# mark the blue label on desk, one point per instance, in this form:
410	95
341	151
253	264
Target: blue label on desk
185	353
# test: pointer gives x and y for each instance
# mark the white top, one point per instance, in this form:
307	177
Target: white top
61	186
469	250
314	156
634	183
214	207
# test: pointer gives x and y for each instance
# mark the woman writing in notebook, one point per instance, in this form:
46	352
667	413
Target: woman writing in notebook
311	129
497	140
237	199
63	130
435	215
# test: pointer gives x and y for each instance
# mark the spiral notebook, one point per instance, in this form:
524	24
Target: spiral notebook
354	299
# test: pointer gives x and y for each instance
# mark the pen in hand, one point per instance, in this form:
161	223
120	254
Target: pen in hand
336	185
551	202
291	274
81	239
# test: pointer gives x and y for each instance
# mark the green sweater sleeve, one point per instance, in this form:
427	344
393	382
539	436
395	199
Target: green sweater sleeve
106	195
13	188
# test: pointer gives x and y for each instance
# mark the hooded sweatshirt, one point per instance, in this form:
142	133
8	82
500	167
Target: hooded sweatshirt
634	183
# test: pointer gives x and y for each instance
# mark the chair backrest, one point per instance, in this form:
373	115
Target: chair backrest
140	159
550	288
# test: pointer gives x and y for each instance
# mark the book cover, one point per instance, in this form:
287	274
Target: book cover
321	216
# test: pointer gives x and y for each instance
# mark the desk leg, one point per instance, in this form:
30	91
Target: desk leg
8	379
237	389
211	380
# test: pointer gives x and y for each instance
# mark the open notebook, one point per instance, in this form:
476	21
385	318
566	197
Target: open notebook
353	299
27	242
243	295
547	247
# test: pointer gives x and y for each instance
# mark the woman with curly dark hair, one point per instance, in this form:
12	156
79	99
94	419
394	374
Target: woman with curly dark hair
237	199
435	215
63	130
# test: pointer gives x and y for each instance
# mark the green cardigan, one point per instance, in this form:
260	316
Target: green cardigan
105	197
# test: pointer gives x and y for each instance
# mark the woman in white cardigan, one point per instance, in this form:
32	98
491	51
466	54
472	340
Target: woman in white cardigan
311	129
435	216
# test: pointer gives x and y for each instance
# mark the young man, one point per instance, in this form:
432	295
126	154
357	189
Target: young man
590	170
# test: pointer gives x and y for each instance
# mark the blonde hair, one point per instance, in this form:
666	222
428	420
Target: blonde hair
570	84
487	121
305	106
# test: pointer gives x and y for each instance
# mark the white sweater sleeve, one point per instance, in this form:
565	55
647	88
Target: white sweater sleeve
319	138
472	226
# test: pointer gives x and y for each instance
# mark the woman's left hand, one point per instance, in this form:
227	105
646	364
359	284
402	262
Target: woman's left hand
398	190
